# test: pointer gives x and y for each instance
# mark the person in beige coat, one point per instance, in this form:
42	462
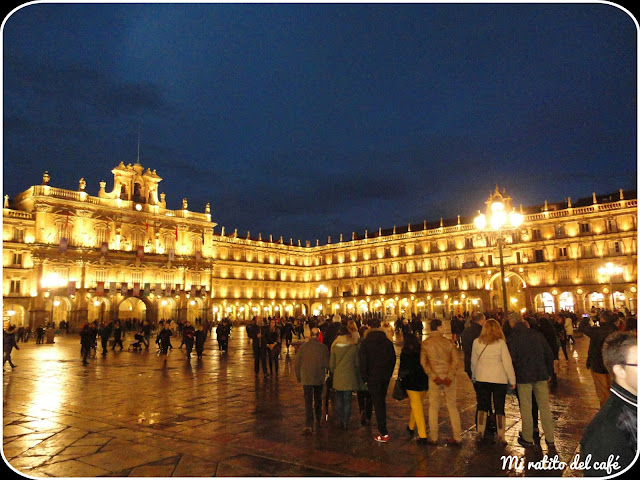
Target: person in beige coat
439	359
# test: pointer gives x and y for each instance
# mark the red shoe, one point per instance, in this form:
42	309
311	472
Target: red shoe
381	438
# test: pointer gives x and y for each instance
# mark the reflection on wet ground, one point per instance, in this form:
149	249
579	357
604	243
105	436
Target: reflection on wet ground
140	414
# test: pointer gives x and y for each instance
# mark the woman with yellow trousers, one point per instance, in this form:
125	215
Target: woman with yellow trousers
416	383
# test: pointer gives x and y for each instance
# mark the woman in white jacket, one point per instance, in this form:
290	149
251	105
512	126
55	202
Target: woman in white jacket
492	371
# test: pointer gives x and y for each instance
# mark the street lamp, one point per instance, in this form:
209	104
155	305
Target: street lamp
500	216
610	269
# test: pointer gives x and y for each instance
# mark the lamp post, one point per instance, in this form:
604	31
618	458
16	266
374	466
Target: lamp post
610	269
500	216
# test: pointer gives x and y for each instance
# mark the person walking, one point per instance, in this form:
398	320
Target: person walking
561	333
87	338
492	372
8	344
200	336
416	383
614	429
287	333
272	339
188	335
164	339
377	361
532	361
344	367
259	346
117	336
311	366
568	328
595	363
439	358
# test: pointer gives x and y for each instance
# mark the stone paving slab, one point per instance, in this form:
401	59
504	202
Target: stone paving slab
145	415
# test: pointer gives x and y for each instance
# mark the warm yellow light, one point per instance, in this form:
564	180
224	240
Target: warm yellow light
481	221
498	219
163	303
514	300
515	219
95	302
11	313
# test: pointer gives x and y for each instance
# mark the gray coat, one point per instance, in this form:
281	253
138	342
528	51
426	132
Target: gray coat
344	365
312	362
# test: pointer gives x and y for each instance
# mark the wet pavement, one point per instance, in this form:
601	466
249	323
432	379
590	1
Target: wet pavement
140	414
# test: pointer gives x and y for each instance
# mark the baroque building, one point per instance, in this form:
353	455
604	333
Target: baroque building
122	254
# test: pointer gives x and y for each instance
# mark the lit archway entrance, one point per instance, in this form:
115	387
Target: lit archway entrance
545	303
131	308
567	301
99	309
594	299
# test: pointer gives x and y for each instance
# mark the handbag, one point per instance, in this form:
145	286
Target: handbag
399	392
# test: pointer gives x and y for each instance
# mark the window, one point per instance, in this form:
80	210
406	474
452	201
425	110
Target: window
468	242
560	232
17	259
616	248
563	274
585	228
15	286
562	252
18	235
453	283
589	273
535	234
101	275
539	255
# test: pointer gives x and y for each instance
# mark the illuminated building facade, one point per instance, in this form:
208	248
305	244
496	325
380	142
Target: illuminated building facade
122	254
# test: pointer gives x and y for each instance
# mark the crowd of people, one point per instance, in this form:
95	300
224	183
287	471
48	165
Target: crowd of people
347	356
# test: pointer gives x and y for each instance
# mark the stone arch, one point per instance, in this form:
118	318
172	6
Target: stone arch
15	314
99	309
134	307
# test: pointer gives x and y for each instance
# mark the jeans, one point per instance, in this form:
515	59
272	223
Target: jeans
416	418
435	392
312	403
343	405
541	392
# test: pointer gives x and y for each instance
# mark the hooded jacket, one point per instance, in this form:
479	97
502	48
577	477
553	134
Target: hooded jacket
377	357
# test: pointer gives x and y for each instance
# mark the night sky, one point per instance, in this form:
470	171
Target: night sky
311	120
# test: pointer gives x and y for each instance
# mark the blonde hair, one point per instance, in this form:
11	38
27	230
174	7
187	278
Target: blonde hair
491	332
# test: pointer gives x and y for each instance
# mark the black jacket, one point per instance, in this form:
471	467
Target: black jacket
530	353
330	333
377	357
612	431
597	335
468	336
411	372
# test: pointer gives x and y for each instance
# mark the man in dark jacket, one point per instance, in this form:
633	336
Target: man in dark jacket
533	363
595	363
259	344
311	365
377	361
613	431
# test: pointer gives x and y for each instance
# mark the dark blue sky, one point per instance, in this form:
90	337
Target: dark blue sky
310	120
